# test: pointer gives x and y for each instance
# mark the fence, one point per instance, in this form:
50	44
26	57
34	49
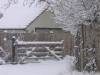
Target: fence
7	44
32	51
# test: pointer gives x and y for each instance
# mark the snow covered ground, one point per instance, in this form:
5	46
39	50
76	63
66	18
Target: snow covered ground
64	67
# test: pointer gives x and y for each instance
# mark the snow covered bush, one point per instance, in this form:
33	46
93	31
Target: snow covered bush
69	63
86	60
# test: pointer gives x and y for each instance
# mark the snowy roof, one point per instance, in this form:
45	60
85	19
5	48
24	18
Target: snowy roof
18	16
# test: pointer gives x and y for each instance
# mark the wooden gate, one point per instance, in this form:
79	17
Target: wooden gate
25	51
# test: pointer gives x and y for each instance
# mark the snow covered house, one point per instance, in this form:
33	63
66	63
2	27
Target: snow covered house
20	18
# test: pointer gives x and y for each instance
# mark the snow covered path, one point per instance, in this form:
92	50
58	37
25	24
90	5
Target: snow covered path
45	68
64	67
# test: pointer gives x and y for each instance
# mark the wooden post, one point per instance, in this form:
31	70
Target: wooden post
83	36
13	49
82	50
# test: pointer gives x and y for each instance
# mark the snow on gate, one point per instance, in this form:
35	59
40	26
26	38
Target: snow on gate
25	51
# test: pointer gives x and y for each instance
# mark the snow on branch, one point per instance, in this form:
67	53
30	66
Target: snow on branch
39	42
71	13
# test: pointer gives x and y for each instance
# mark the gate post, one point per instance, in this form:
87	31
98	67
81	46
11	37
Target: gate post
13	50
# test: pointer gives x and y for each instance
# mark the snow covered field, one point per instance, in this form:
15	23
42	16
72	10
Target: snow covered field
64	67
44	68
